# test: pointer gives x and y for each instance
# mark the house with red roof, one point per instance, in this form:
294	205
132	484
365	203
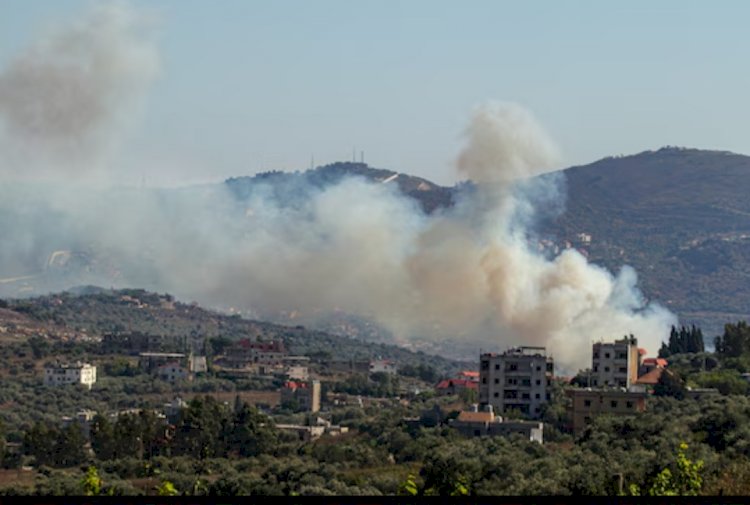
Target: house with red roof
649	364
455	386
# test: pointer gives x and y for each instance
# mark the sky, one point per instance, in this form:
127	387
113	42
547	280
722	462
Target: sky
248	86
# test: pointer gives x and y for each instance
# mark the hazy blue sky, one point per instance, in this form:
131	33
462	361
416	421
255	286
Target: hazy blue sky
249	85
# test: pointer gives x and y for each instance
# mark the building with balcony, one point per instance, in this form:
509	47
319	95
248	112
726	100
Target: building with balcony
615	364
516	380
71	373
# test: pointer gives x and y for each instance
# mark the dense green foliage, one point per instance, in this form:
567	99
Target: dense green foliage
687	340
685	443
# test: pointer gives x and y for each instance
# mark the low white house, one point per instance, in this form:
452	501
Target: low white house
383	366
70	373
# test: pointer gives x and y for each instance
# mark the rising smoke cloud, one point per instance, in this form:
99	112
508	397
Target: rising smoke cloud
65	99
470	273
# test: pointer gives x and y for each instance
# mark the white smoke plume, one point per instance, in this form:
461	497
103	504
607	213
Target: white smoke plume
65	99
469	273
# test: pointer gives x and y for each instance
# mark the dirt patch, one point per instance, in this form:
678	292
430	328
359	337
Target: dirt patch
17	477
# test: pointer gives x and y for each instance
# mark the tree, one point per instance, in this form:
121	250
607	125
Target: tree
39	346
735	341
251	432
201	429
683	341
69	447
686	480
670	384
102	437
127	441
39	442
91	482
409	487
166	488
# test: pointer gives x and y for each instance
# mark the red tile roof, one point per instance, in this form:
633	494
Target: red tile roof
660	362
294	385
651	378
461	383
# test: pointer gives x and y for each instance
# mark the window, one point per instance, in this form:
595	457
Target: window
525	396
538	369
497	381
587	420
629	405
497	366
606	355
606	369
485	365
613	404
537	396
596	368
484	380
623	369
476	433
538	382
587	403
497	395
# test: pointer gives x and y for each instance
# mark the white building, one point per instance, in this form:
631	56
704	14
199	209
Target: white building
515	380
71	373
383	366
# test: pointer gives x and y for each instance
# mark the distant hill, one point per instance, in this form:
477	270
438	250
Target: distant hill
290	186
681	217
97	312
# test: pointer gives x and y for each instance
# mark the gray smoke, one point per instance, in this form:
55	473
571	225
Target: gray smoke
471	273
64	100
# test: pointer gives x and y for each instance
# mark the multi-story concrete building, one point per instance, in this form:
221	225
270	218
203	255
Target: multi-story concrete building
73	373
517	379
172	372
615	364
586	404
306	394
